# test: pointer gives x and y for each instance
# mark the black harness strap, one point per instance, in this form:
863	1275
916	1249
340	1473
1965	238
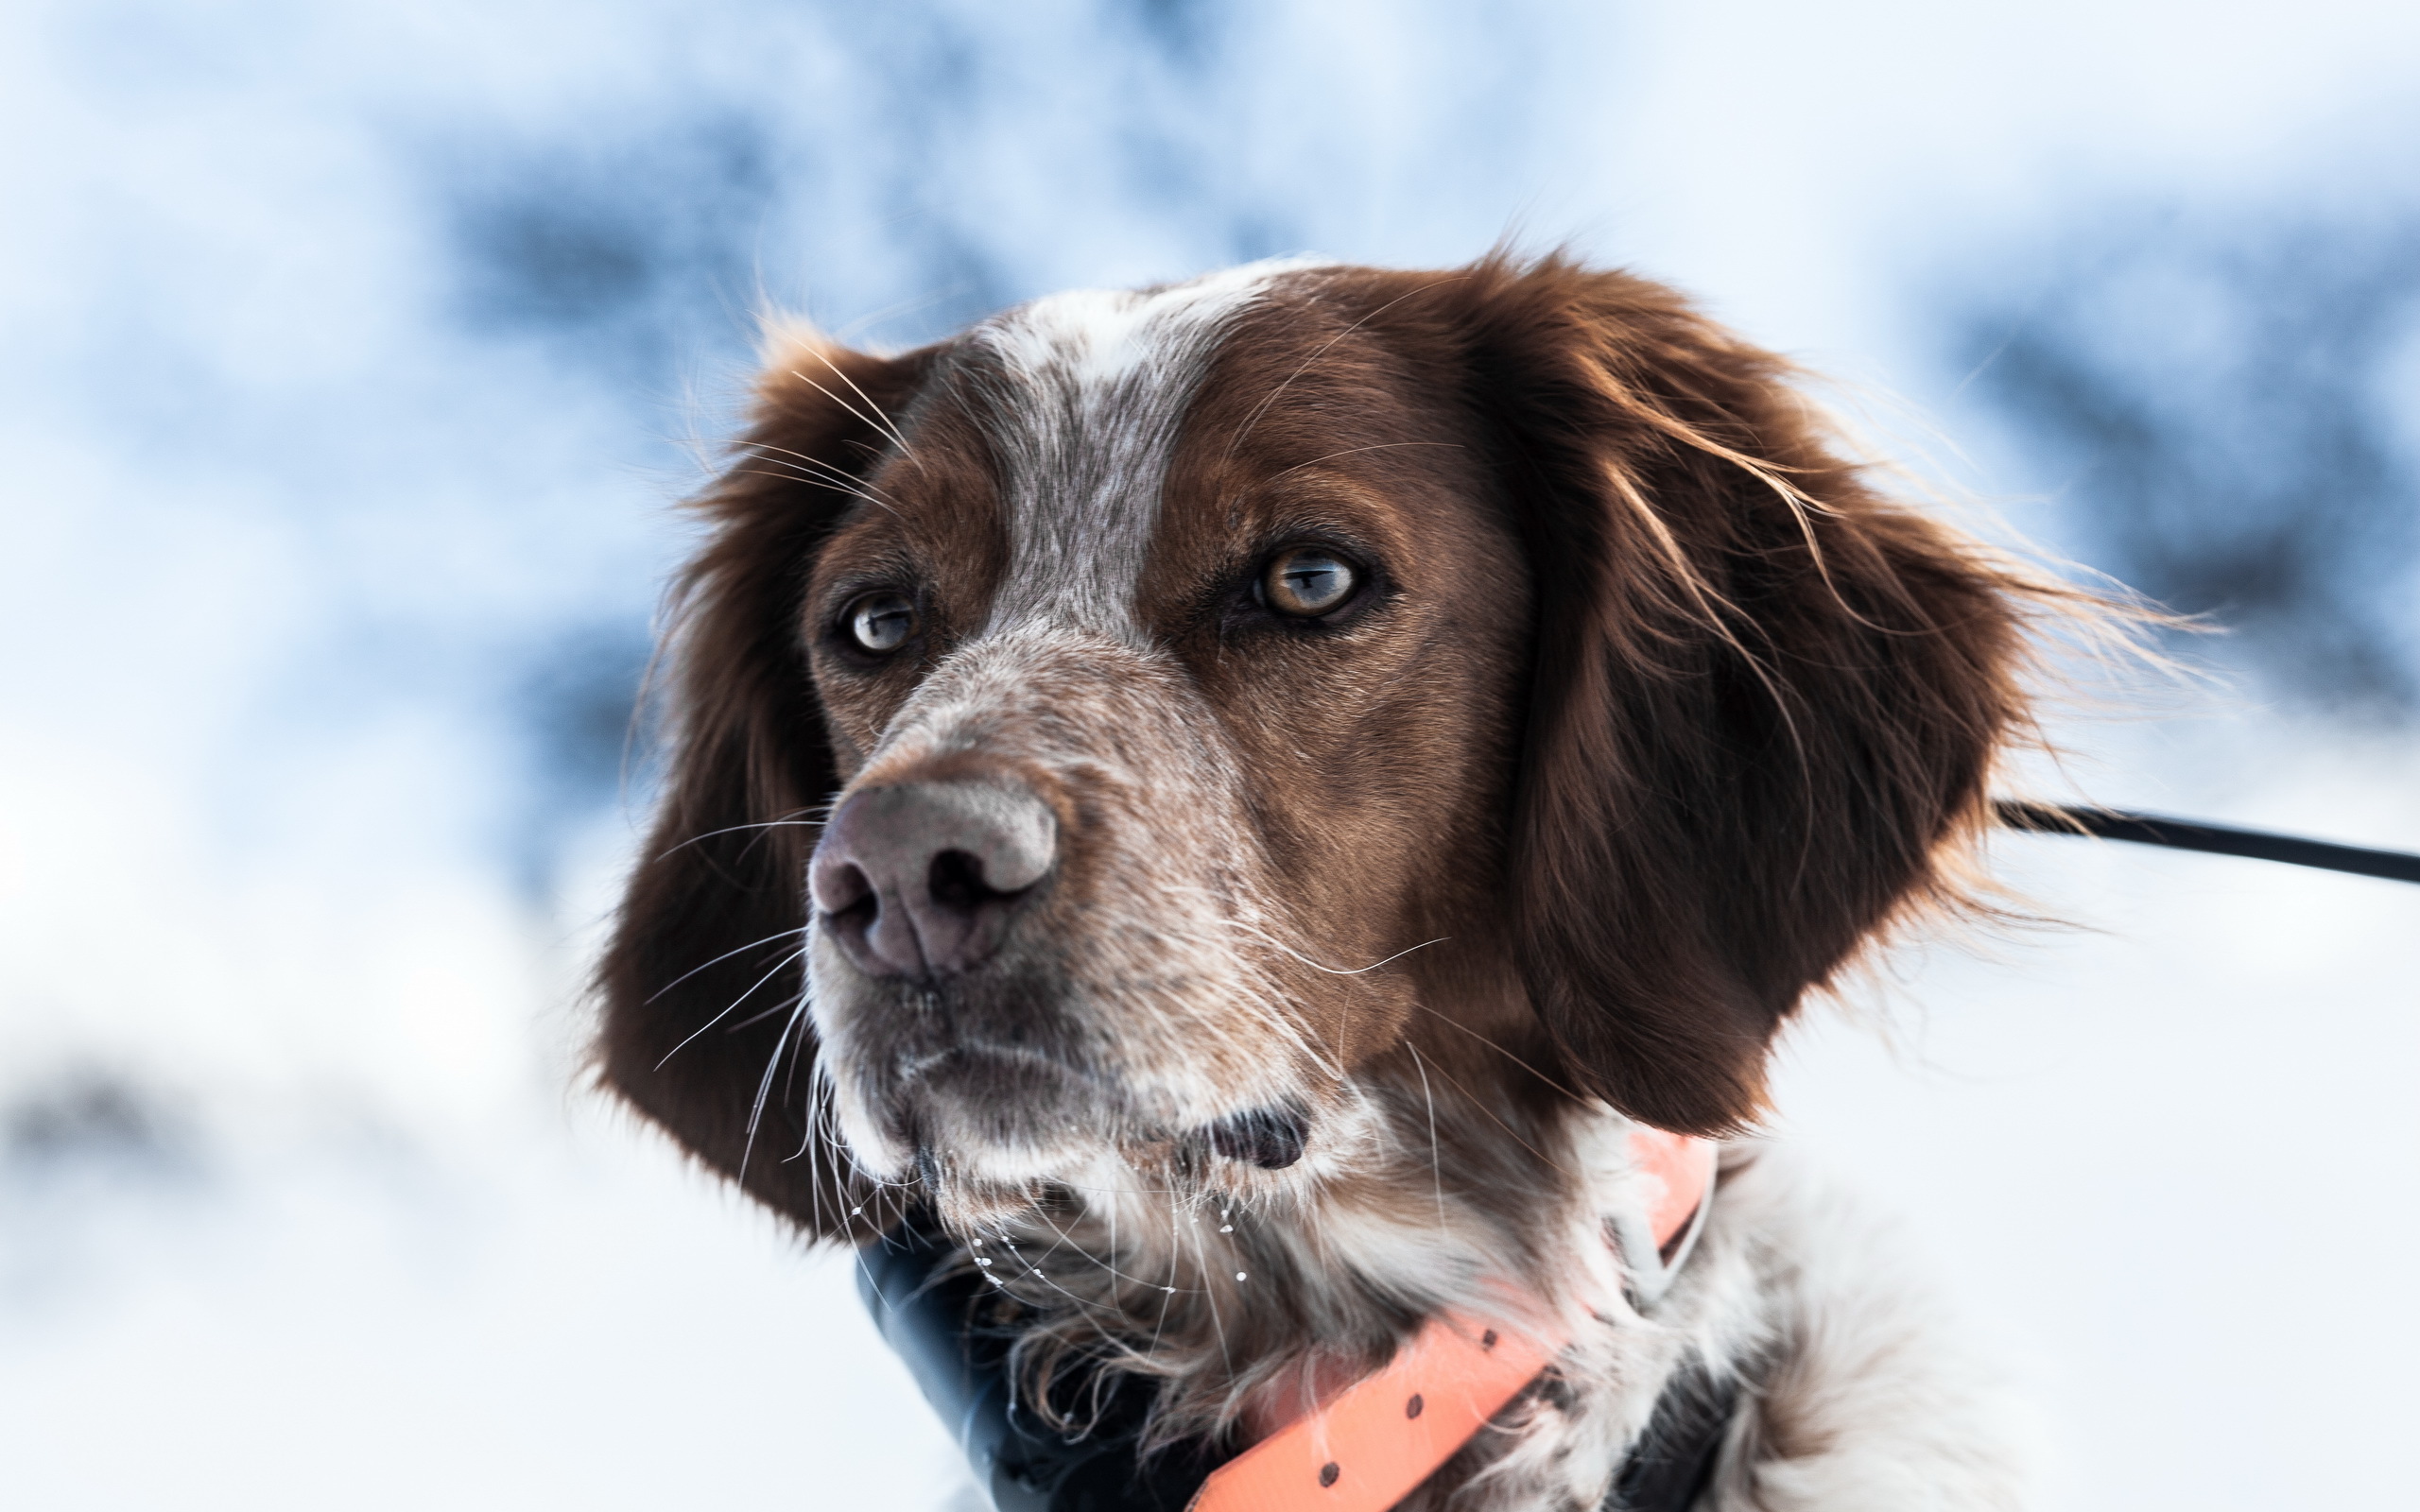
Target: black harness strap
952	1332
1673	1463
2215	839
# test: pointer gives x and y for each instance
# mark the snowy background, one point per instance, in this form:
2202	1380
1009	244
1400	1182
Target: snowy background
356	353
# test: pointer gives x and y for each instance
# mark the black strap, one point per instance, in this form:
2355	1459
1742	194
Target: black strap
2216	839
938	1319
953	1334
1673	1463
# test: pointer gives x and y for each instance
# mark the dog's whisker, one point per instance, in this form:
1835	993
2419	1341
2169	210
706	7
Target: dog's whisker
779	967
1497	1120
789	1083
820	481
1273	395
798	466
842	477
1355	451
738	828
1436	1161
1456	1024
763	1087
1358	971
1210	1299
1265	936
754	1018
1103	1265
880	420
741	950
1263	1005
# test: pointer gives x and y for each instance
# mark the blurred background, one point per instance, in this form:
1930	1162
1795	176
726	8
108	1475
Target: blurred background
357	353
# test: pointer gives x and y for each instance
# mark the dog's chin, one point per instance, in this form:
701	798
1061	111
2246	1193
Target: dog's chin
1000	1118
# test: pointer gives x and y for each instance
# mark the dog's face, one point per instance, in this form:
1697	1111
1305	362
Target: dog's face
1201	639
1208	682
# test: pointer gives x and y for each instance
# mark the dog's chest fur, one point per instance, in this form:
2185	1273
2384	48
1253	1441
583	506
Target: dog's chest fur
1849	1390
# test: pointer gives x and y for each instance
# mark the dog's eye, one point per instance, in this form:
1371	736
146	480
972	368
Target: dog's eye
883	621
1308	581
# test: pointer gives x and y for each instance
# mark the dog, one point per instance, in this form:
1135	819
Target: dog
1238	799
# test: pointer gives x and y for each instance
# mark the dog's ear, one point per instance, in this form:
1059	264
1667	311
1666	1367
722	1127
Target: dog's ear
1766	702
703	1028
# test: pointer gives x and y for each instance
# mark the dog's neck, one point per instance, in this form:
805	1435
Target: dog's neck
1437	1181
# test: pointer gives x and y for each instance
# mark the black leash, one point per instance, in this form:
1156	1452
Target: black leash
2215	839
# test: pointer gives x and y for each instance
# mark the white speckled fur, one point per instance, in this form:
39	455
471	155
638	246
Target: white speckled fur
1858	1398
1194	1013
1095	384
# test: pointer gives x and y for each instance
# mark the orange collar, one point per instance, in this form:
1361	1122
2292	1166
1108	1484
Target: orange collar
1367	1447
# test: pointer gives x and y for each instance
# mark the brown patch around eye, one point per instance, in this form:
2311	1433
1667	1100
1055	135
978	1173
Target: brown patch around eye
1307	581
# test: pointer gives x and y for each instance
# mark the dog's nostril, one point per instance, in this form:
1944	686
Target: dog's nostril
850	907
843	888
958	881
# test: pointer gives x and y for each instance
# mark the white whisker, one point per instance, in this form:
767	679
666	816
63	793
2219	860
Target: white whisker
735	829
1436	1170
754	944
1253	418
763	1087
778	968
882	421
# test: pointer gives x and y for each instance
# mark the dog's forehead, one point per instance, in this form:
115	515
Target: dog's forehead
1084	397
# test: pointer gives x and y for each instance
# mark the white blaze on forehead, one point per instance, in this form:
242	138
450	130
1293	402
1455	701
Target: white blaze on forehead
1094	387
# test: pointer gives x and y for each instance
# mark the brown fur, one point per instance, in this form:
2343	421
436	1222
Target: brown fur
1764	698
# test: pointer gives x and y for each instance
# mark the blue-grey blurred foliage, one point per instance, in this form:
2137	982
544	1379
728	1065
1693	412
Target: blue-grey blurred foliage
2227	393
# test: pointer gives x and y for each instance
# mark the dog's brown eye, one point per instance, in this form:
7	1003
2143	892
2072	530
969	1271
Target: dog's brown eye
1308	581
882	621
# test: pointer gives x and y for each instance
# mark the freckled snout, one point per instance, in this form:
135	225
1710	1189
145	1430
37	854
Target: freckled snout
920	879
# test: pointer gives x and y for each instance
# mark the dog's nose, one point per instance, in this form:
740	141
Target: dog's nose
921	878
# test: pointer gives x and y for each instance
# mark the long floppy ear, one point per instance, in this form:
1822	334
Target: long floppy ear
702	987
1765	700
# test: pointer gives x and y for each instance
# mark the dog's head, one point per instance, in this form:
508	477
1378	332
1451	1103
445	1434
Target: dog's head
1073	715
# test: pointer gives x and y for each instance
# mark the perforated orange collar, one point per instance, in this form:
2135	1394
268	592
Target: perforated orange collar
1369	1446
1361	1449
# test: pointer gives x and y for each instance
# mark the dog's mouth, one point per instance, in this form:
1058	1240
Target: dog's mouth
1270	1138
1013	1113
